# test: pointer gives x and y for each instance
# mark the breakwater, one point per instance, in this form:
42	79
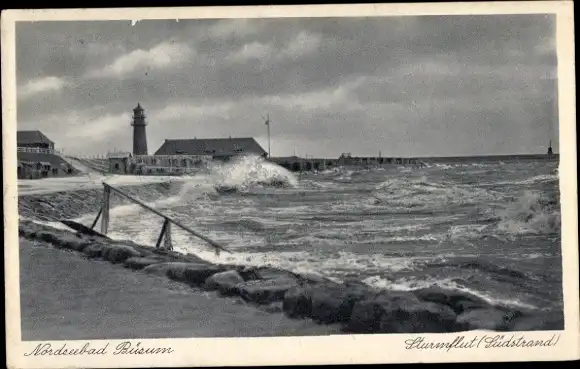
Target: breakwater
359	308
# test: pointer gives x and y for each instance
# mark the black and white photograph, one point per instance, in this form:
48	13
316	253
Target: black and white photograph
288	177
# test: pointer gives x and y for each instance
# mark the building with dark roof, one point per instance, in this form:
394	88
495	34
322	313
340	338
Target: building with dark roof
41	165
218	148
34	139
37	157
187	156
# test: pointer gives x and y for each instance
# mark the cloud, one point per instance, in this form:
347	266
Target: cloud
224	29
192	110
253	50
98	127
303	44
429	85
41	85
341	96
546	46
164	55
91	130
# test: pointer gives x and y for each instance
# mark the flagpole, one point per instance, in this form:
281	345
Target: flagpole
268	125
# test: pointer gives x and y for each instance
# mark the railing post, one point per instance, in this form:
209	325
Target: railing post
167	242
167	221
97	218
163	229
105	216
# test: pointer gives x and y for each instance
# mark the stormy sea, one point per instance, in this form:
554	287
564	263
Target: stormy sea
488	228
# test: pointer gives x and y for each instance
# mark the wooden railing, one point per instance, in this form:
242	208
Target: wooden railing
35	150
165	234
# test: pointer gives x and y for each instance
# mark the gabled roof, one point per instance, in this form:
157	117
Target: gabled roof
119	155
31	137
53	160
211	146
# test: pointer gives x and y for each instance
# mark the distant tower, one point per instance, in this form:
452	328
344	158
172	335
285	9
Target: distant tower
139	135
550	149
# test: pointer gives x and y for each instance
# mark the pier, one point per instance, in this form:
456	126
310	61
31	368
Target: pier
298	164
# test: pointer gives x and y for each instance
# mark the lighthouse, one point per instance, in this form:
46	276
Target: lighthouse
139	134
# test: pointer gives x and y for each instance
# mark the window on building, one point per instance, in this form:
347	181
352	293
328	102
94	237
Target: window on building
153	161
54	171
116	165
184	162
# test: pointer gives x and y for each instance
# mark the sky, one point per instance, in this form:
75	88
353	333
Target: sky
399	86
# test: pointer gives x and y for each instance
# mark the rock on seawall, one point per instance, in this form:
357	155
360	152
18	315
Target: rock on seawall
396	312
192	273
356	306
225	282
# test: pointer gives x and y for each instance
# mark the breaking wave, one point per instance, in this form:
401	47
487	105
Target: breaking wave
532	213
240	175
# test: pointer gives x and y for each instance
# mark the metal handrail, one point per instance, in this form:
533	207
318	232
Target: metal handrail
105	220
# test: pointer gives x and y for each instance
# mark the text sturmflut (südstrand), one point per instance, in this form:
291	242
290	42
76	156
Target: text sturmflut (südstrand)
483	341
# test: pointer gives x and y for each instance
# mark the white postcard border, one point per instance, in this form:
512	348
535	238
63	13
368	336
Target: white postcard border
340	349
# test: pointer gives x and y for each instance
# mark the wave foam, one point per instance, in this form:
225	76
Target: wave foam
240	174
412	284
531	213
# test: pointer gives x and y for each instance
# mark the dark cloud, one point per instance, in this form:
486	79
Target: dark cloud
428	85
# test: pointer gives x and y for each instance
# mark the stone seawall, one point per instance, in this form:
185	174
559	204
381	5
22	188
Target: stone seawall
357	307
73	204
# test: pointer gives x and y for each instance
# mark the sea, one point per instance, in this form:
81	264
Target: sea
490	228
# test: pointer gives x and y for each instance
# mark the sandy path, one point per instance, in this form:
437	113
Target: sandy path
66	296
56	184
